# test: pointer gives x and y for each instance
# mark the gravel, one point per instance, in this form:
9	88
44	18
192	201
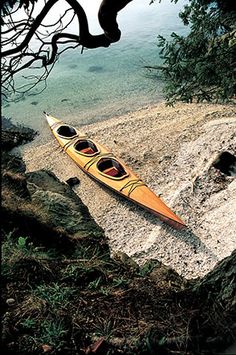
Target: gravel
172	149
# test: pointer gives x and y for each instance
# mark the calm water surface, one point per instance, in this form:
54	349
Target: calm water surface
105	82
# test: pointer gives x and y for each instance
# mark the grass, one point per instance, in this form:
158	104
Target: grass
56	295
90	286
49	333
28	324
66	303
14	249
52	332
120	282
95	285
105	328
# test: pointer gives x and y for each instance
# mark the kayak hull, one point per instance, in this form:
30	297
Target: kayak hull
125	182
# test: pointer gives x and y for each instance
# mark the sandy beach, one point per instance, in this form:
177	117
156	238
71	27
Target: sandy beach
172	150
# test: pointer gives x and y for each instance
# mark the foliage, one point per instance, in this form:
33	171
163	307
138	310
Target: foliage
73	304
55	295
201	66
28	323
52	333
14	250
22	247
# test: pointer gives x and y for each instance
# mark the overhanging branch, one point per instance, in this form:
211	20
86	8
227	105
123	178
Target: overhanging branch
21	56
107	18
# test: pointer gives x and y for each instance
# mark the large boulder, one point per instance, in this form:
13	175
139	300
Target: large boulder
38	204
42	206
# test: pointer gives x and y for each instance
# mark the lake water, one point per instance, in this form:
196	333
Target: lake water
105	82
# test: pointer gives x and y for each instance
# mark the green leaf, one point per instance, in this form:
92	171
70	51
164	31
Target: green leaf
22	242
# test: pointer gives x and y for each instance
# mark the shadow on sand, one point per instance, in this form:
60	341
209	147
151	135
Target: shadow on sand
186	235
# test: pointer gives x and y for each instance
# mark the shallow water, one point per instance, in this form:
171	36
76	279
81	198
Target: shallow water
105	82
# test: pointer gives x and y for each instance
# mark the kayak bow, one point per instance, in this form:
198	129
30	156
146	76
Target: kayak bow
98	162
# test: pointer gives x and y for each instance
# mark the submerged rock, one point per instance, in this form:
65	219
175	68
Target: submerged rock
95	69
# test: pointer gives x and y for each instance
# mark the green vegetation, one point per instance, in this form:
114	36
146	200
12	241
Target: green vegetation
54	294
64	303
59	294
52	332
201	66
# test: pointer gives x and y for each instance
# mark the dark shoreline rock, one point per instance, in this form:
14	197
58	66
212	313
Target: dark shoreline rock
14	135
38	203
50	212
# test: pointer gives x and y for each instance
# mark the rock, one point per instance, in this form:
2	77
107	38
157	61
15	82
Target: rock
47	348
73	181
51	209
39	204
13	135
13	163
166	277
63	207
10	301
125	259
218	287
226	163
95	69
13	178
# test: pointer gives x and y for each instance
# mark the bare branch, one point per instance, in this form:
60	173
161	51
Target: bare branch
19	33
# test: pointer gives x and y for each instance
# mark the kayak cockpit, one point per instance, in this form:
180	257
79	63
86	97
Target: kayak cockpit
111	168
86	147
66	131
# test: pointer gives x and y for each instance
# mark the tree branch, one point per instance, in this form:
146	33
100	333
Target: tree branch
107	18
21	56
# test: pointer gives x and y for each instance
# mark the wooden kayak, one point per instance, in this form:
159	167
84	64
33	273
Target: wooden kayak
98	162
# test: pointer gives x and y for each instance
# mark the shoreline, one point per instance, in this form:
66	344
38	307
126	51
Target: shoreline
170	148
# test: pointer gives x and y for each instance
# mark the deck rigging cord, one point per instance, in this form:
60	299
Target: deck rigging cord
132	185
